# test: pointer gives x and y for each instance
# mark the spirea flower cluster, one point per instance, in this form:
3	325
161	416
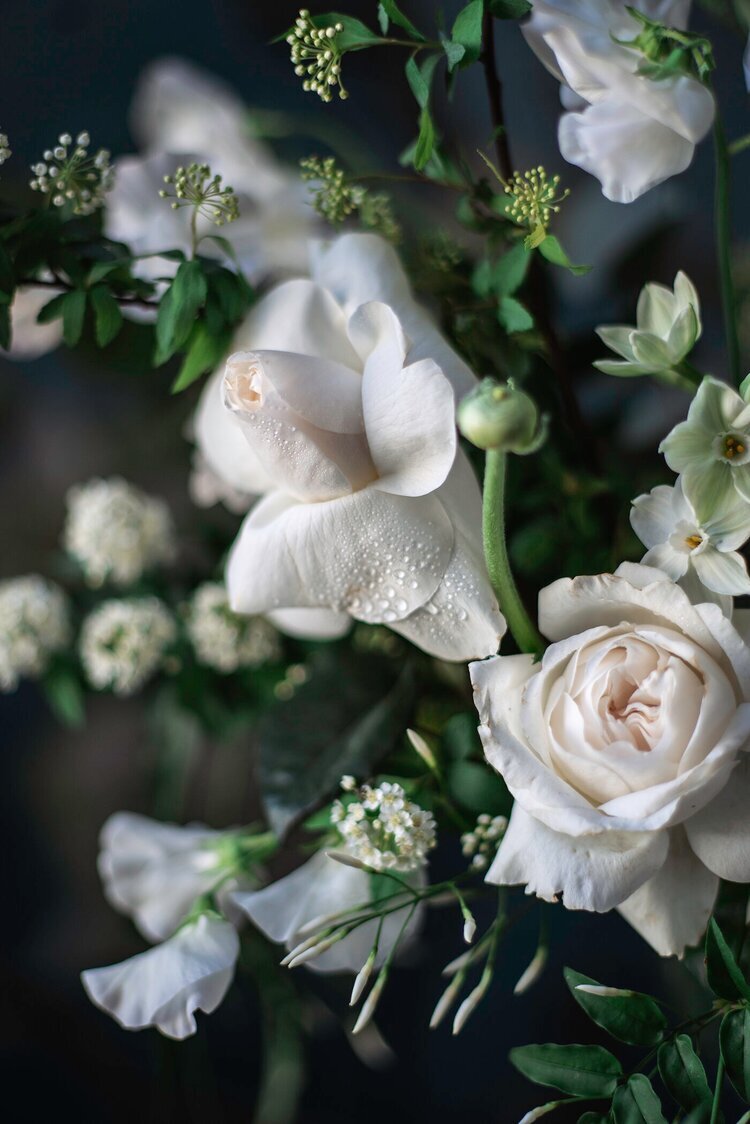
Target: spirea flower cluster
482	841
70	175
336	198
533	199
116	532
383	828
5	150
224	640
34	624
196	186
317	56
124	642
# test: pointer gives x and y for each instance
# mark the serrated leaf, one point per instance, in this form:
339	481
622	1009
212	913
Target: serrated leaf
683	1074
582	1071
637	1103
633	1018
509	9
425	140
724	974
551	249
392	12
510	272
735	1049
73	314
513	316
349	713
467	31
204	351
107	315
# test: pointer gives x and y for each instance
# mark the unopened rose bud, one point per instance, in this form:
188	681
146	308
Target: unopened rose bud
500	416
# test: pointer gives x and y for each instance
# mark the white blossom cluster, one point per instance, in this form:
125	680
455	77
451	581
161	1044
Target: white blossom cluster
69	175
124	642
383	828
116	532
5	149
34	623
224	640
316	56
482	841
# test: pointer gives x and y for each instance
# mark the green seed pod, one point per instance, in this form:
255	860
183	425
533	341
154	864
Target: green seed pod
500	416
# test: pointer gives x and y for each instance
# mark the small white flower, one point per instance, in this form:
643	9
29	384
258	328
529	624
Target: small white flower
5	149
116	532
682	545
383	829
124	642
164	986
34	623
225	640
482	842
668	325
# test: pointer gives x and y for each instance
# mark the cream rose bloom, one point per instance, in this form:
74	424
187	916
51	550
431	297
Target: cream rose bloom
625	750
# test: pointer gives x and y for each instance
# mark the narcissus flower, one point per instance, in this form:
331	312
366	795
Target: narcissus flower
668	326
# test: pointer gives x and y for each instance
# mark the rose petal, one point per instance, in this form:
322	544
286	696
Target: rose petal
720	833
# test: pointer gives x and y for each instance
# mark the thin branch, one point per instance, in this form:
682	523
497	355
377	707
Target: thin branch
64	287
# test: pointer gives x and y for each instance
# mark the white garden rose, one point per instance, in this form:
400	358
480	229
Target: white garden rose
628	130
625	750
341	411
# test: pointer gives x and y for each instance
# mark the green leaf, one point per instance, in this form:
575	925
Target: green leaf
73	313
454	52
632	1017
7	276
510	272
478	788
467	31
420	78
735	1049
425	141
107	315
179	308
593	1118
637	1103
683	1074
355	36
724	974
551	249
52	310
5	328
204	351
513	316
351	711
102	269
232	292
64	693
581	1071
391	11
460	738
509	9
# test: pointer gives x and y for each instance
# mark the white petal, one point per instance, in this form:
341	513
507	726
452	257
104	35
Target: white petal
312	624
720	833
222	444
301	317
722	573
665	557
657	310
595	873
652	516
683	334
672	910
166	985
617	338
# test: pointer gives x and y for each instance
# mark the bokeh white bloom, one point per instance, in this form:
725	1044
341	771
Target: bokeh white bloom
626	752
224	640
34	624
385	830
668	326
123	643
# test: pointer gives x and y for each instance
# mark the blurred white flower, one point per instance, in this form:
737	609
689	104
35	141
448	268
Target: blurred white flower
34	624
5	150
164	986
668	325
628	130
481	843
29	339
123	643
181	114
116	532
223	639
681	545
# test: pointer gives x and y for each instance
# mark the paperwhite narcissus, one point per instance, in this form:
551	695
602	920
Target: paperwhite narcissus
711	449
626	752
629	131
683	546
318	888
668	325
164	986
341	411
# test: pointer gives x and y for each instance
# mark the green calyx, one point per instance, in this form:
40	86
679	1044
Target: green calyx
668	51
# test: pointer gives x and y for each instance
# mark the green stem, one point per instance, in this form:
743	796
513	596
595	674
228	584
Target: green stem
738	146
194	231
723	225
496	554
716	1106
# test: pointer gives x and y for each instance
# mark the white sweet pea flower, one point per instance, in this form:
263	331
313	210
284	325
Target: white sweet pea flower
668	325
629	131
712	448
180	115
686	548
343	414
320	888
164	986
625	750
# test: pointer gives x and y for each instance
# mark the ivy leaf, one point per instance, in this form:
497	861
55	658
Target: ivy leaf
73	313
107	314
513	316
724	974
204	351
425	140
630	1017
179	308
637	1103
683	1074
735	1049
551	249
581	1071
509	9
389	10
467	31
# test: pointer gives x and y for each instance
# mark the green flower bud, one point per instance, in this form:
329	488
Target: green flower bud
497	416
